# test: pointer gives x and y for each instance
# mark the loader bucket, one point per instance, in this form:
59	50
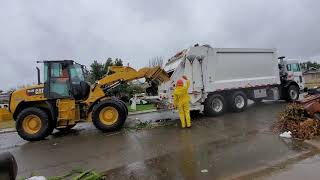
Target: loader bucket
126	74
155	74
5	115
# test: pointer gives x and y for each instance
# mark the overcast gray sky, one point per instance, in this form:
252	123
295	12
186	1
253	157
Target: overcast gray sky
136	30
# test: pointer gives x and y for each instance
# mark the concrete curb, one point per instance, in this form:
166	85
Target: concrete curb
143	112
7	130
315	142
262	171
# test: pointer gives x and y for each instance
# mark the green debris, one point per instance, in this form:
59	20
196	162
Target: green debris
89	175
76	174
72	172
141	125
34	174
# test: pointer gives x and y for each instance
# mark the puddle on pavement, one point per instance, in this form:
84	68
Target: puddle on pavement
301	167
305	169
212	160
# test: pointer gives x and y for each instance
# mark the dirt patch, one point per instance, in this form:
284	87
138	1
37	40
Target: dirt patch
295	119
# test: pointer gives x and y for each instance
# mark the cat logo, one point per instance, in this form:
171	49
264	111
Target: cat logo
34	91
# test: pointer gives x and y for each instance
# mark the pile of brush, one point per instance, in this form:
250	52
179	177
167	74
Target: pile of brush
296	120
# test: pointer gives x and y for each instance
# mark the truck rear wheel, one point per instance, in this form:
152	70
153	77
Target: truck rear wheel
238	101
108	115
292	93
33	124
214	105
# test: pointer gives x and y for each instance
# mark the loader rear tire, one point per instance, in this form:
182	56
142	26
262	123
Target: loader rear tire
33	124
214	105
108	115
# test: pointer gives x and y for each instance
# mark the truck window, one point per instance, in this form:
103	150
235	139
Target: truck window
45	77
293	67
76	74
56	70
288	67
59	81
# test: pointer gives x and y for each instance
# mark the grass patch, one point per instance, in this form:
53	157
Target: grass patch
143	107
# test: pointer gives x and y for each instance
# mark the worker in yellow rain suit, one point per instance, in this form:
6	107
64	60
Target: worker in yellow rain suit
181	101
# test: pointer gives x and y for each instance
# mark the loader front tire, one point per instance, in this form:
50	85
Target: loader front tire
108	115
33	124
124	106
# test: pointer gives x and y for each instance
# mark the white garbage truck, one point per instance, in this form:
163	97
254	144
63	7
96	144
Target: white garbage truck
225	78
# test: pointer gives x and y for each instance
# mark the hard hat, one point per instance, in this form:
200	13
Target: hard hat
180	82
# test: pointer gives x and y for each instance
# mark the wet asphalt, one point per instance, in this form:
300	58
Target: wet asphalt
307	169
214	148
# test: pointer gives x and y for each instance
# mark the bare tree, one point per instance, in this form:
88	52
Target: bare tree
156	61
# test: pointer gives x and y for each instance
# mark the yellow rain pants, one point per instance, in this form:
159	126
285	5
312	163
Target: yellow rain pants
181	100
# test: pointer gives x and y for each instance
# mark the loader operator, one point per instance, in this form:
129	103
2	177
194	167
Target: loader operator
181	101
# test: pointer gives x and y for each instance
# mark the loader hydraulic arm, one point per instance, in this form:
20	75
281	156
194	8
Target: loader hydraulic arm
126	74
122	74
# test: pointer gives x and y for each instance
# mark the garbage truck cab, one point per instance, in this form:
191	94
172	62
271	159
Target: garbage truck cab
294	72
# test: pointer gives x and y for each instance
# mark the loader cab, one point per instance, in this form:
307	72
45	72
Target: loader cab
65	79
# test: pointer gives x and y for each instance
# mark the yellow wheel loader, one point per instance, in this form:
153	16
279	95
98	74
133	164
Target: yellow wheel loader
65	98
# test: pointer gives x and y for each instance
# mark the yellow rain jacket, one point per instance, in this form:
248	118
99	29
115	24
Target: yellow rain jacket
181	100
